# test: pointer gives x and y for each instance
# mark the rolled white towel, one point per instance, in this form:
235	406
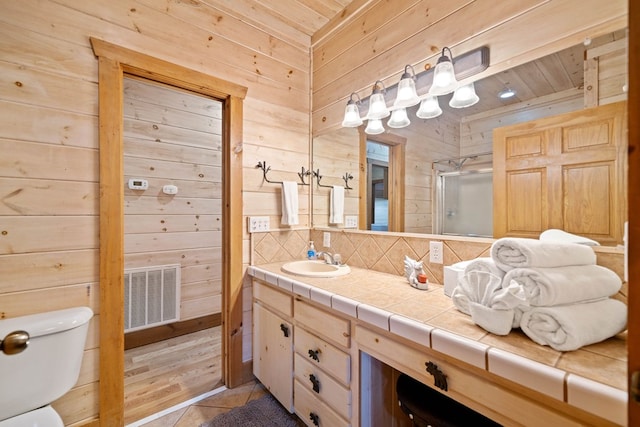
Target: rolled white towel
512	252
555	235
484	264
547	286
569	327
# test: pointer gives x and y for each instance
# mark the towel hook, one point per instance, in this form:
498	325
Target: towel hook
347	176
266	169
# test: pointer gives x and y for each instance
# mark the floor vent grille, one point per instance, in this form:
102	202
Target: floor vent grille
151	296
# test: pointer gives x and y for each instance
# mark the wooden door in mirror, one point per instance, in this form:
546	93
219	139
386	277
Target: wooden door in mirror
566	172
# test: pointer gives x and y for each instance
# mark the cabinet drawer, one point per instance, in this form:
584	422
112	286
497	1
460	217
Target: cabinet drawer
309	407
320	384
273	297
480	393
323	323
324	355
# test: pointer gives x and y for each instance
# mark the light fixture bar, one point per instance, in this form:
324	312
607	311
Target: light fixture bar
465	65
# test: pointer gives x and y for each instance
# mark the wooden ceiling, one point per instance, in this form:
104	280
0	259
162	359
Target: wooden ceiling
307	21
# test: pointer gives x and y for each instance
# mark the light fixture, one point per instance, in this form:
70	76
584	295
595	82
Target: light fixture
429	108
377	105
506	93
351	113
374	127
407	95
399	118
444	77
464	96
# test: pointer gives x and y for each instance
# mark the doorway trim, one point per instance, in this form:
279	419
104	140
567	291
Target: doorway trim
113	62
397	146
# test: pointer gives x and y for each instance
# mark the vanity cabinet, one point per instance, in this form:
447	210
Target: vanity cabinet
273	342
301	355
508	404
322	367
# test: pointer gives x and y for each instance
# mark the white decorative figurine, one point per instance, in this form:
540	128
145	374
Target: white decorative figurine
413	269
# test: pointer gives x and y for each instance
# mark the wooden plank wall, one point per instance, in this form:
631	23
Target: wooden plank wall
175	137
49	137
379	42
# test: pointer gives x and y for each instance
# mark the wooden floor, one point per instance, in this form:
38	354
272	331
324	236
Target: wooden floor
161	375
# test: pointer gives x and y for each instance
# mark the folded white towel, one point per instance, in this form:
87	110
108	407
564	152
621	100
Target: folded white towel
289	203
569	327
480	295
555	235
484	264
336	205
512	252
546	286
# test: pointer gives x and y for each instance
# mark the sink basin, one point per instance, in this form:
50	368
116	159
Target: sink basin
313	268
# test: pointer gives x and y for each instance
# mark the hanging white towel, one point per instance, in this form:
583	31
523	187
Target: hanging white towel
289	203
336	205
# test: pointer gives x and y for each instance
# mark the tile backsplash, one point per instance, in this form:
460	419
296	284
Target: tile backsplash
385	252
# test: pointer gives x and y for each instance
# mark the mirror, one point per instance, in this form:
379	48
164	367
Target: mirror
460	140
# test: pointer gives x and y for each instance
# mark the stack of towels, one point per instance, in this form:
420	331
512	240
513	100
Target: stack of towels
553	291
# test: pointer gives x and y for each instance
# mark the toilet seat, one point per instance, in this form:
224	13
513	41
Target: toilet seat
41	417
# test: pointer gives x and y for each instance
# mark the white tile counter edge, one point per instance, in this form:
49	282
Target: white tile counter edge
590	396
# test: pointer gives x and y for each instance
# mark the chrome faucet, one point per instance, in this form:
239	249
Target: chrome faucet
334	259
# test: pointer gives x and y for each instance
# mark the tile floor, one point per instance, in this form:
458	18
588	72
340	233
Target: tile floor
206	409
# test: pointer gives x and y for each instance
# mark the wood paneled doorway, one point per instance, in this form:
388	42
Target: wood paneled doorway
114	62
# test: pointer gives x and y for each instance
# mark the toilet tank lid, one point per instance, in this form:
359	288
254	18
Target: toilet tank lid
46	323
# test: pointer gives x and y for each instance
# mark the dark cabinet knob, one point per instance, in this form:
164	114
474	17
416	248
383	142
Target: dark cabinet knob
314	354
285	329
315	383
315	419
439	377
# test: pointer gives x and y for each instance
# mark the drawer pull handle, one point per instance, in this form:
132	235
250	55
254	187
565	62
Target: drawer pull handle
440	379
315	383
285	330
315	419
314	355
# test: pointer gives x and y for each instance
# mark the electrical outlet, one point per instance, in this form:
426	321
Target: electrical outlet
435	252
258	224
326	239
351	221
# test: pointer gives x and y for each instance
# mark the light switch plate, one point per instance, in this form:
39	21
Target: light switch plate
258	224
351	221
326	239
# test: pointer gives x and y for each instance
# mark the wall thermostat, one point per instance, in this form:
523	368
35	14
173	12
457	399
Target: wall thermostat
170	189
138	184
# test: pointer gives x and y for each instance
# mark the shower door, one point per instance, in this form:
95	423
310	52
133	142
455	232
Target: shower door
464	203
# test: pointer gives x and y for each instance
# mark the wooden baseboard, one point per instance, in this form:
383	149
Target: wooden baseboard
247	372
171	330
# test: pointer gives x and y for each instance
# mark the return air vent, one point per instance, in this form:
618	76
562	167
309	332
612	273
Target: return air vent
151	296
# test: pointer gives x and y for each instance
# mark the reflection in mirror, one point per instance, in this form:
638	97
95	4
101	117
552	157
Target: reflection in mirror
459	139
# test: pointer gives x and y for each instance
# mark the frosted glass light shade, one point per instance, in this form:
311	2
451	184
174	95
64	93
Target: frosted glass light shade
351	116
374	127
377	107
398	119
464	96
407	96
429	108
444	78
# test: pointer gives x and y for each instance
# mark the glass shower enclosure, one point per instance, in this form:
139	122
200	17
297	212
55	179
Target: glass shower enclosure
464	202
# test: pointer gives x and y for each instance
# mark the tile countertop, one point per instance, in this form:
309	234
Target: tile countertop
595	375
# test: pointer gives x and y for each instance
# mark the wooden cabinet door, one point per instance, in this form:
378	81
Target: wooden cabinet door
566	172
273	354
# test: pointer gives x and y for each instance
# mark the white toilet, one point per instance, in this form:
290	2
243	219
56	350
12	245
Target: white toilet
45	364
